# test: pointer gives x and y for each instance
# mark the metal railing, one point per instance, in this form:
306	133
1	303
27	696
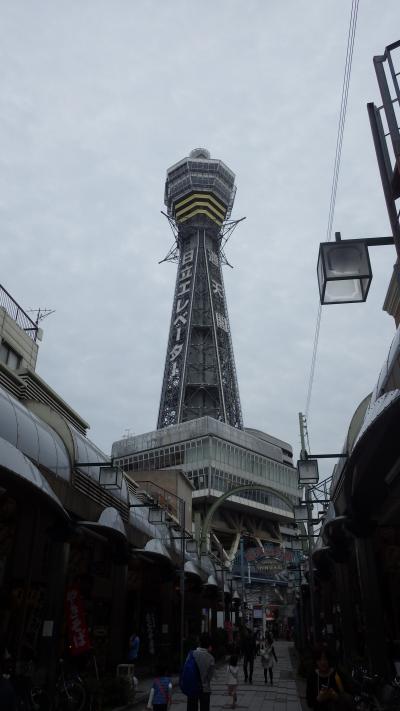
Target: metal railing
15	312
160	497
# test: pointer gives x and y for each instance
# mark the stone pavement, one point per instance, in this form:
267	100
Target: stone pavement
258	696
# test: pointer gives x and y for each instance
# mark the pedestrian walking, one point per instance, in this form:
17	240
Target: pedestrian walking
205	664
233	678
134	646
160	697
249	652
268	658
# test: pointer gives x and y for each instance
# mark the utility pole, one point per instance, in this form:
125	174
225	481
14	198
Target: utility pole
242	576
182	580
310	534
264	611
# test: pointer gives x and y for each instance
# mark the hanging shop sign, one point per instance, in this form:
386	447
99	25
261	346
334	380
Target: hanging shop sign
286	555
78	631
257	613
269	565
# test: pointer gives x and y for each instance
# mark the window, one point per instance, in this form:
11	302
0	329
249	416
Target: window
9	356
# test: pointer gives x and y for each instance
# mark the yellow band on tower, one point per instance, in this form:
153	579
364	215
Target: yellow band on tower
210	197
198	211
200	203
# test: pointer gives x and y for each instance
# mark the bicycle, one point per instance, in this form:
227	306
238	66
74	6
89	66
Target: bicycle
70	691
366	698
374	693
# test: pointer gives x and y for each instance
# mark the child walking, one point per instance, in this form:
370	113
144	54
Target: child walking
232	678
268	657
160	693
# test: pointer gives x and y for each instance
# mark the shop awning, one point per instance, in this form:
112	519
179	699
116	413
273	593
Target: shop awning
192	569
110	525
373	456
154	551
211	582
18	472
335	531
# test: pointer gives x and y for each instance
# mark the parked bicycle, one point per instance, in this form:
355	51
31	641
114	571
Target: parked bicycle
374	693
70	692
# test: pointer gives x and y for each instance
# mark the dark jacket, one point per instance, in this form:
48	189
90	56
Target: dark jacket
249	647
8	698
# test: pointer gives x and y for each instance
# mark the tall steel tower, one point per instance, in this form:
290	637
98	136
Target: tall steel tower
199	375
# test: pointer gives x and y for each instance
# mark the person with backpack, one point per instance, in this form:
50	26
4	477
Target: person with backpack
268	657
160	698
196	675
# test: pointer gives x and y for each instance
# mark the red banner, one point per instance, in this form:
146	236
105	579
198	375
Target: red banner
229	629
78	632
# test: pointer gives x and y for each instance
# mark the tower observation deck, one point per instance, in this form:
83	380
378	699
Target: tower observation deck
199	375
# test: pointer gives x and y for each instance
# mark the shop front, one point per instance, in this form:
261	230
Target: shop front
364	539
32	561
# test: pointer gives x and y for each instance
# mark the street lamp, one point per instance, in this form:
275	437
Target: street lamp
344	269
301	513
307	470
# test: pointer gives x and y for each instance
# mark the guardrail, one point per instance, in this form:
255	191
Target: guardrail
17	313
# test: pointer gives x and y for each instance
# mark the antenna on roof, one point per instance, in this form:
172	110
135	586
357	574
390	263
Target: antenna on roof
41	313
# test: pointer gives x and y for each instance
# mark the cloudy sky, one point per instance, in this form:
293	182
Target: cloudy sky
98	99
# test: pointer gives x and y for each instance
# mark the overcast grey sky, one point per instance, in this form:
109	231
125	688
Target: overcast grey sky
98	99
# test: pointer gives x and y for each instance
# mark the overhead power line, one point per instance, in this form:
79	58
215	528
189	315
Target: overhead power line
335	178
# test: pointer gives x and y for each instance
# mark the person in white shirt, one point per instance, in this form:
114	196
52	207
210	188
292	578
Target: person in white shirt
232	678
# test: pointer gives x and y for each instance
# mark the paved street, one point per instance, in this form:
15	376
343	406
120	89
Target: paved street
258	696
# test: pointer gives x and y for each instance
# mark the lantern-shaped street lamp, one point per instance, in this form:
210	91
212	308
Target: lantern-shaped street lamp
307	470
344	272
301	512
110	477
344	269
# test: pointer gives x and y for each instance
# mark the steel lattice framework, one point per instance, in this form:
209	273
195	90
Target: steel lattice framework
199	375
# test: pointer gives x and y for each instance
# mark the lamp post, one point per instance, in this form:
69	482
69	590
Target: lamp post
182	506
307	467
242	576
344	269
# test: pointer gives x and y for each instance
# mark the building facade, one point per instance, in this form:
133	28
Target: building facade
84	551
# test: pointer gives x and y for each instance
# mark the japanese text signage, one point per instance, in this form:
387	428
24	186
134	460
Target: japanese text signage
180	314
78	632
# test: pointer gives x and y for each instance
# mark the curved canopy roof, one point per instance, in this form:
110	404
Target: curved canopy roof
87	452
155	551
32	436
110	524
192	569
18	469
